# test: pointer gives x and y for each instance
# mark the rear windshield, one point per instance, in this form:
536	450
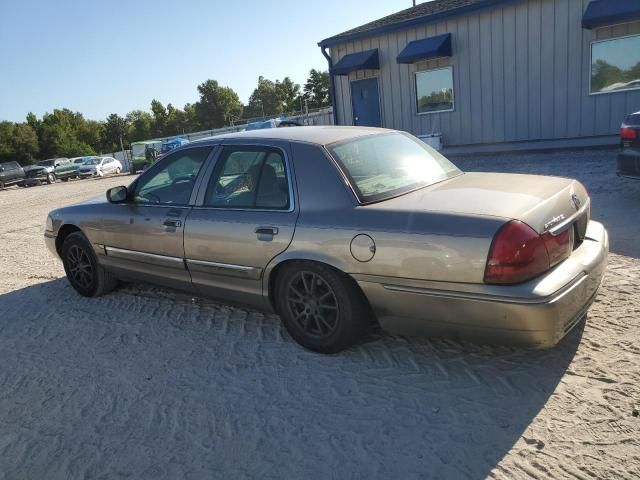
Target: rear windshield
387	165
633	119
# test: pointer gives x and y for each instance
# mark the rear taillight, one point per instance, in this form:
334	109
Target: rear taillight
628	133
518	253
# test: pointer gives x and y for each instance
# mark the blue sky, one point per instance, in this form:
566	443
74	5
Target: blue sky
100	57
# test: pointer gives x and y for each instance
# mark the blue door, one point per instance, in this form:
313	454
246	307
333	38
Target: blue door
365	102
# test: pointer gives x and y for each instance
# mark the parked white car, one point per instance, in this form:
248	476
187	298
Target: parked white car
99	166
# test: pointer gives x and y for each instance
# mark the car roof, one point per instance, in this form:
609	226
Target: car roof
320	135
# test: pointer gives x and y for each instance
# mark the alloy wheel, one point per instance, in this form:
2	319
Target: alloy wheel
80	267
313	304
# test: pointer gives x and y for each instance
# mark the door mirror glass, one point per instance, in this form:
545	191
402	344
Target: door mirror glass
117	194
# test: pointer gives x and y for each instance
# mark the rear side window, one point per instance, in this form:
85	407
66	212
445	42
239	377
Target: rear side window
633	120
251	178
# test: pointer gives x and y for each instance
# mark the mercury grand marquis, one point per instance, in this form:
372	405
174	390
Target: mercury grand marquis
336	228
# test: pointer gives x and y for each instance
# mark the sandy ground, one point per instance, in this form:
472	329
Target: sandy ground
151	384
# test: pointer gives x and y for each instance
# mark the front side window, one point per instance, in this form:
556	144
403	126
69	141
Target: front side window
434	90
615	65
391	164
249	177
171	181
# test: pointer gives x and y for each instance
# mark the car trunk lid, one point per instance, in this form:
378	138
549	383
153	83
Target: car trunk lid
544	203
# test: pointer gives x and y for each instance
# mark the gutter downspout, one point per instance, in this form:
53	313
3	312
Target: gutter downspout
332	85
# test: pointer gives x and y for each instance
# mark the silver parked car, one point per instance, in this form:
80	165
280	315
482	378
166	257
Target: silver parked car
337	227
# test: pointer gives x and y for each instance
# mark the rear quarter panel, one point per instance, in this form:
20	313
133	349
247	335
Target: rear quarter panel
409	245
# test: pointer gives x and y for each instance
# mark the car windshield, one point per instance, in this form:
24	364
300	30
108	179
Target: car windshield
46	163
387	165
92	161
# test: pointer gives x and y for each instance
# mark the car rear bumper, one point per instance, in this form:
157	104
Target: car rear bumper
629	163
537	314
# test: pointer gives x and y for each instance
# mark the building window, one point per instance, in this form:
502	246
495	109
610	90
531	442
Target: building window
434	90
615	64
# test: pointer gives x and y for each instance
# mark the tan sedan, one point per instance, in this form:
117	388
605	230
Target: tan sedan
335	228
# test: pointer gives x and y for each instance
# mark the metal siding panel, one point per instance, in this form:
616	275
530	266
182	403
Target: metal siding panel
497	62
522	71
475	75
414	122
534	46
547	68
387	64
509	73
486	86
561	62
575	94
462	55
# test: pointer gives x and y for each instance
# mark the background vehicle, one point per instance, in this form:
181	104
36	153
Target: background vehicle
78	161
172	144
332	227
273	123
50	170
11	173
629	157
99	166
139	159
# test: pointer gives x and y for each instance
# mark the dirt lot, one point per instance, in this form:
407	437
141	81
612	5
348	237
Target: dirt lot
147	383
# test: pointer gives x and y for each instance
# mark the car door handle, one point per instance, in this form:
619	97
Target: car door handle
266	231
172	223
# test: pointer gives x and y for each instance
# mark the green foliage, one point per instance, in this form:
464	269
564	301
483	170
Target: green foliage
64	133
316	90
218	106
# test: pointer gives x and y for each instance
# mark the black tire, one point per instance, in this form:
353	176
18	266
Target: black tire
1	184
81	266
320	307
51	178
117	170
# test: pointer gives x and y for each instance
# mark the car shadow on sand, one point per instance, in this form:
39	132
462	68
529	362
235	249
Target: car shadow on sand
168	384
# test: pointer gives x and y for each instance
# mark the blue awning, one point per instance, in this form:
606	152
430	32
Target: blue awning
610	12
367	60
431	47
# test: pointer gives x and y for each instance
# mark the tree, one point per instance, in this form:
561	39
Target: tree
115	129
25	143
264	101
316	90
218	106
289	94
140	125
6	144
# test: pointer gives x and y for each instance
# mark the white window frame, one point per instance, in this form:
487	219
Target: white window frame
453	90
593	42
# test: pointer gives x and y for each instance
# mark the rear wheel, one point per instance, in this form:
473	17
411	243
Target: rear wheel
1	184
51	178
117	170
320	307
81	266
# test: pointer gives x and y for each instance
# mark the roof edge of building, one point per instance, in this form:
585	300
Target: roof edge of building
411	22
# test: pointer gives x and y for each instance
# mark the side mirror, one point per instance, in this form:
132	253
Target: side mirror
117	194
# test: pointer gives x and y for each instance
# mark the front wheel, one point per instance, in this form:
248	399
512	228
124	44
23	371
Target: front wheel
117	170
320	307
84	273
51	178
